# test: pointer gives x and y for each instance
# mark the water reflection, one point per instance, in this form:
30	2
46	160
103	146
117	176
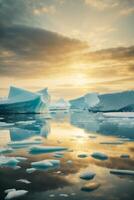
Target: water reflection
80	132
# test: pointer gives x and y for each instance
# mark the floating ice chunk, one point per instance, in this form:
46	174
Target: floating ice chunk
90	187
122	172
10	190
87	175
46	164
83	155
58	155
23	181
69	162
4	124
124	156
120	114
6	150
26	122
99	156
23	144
8	161
21	158
30	170
45	149
15	193
63	195
51	195
113	143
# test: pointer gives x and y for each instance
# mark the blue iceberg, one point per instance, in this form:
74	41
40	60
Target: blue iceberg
23	101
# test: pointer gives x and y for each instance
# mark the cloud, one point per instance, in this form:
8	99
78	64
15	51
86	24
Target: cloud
26	49
127	11
118	53
44	10
102	4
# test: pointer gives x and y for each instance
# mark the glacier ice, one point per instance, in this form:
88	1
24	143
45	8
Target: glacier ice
61	104
23	101
46	149
118	101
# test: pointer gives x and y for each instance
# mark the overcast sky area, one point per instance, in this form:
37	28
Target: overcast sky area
70	46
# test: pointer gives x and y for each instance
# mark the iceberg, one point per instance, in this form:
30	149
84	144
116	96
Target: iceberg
46	149
23	101
109	102
61	104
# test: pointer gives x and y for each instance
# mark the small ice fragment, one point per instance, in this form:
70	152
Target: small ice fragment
87	175
30	170
21	158
124	156
23	181
51	195
82	155
69	162
99	156
63	195
15	193
113	143
90	187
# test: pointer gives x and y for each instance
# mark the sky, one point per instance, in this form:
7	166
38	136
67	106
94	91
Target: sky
70	46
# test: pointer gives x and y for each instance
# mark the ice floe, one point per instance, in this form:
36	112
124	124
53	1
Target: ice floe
82	155
30	170
119	114
4	124
6	150
46	164
87	175
8	161
122	172
124	156
89	187
23	144
13	193
99	156
46	149
23	181
63	195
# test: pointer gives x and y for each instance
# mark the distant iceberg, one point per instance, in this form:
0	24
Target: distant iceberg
111	102
23	101
61	104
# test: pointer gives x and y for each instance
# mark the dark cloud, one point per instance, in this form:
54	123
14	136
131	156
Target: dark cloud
118	53
26	48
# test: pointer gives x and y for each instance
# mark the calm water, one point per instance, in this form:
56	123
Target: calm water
82	133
